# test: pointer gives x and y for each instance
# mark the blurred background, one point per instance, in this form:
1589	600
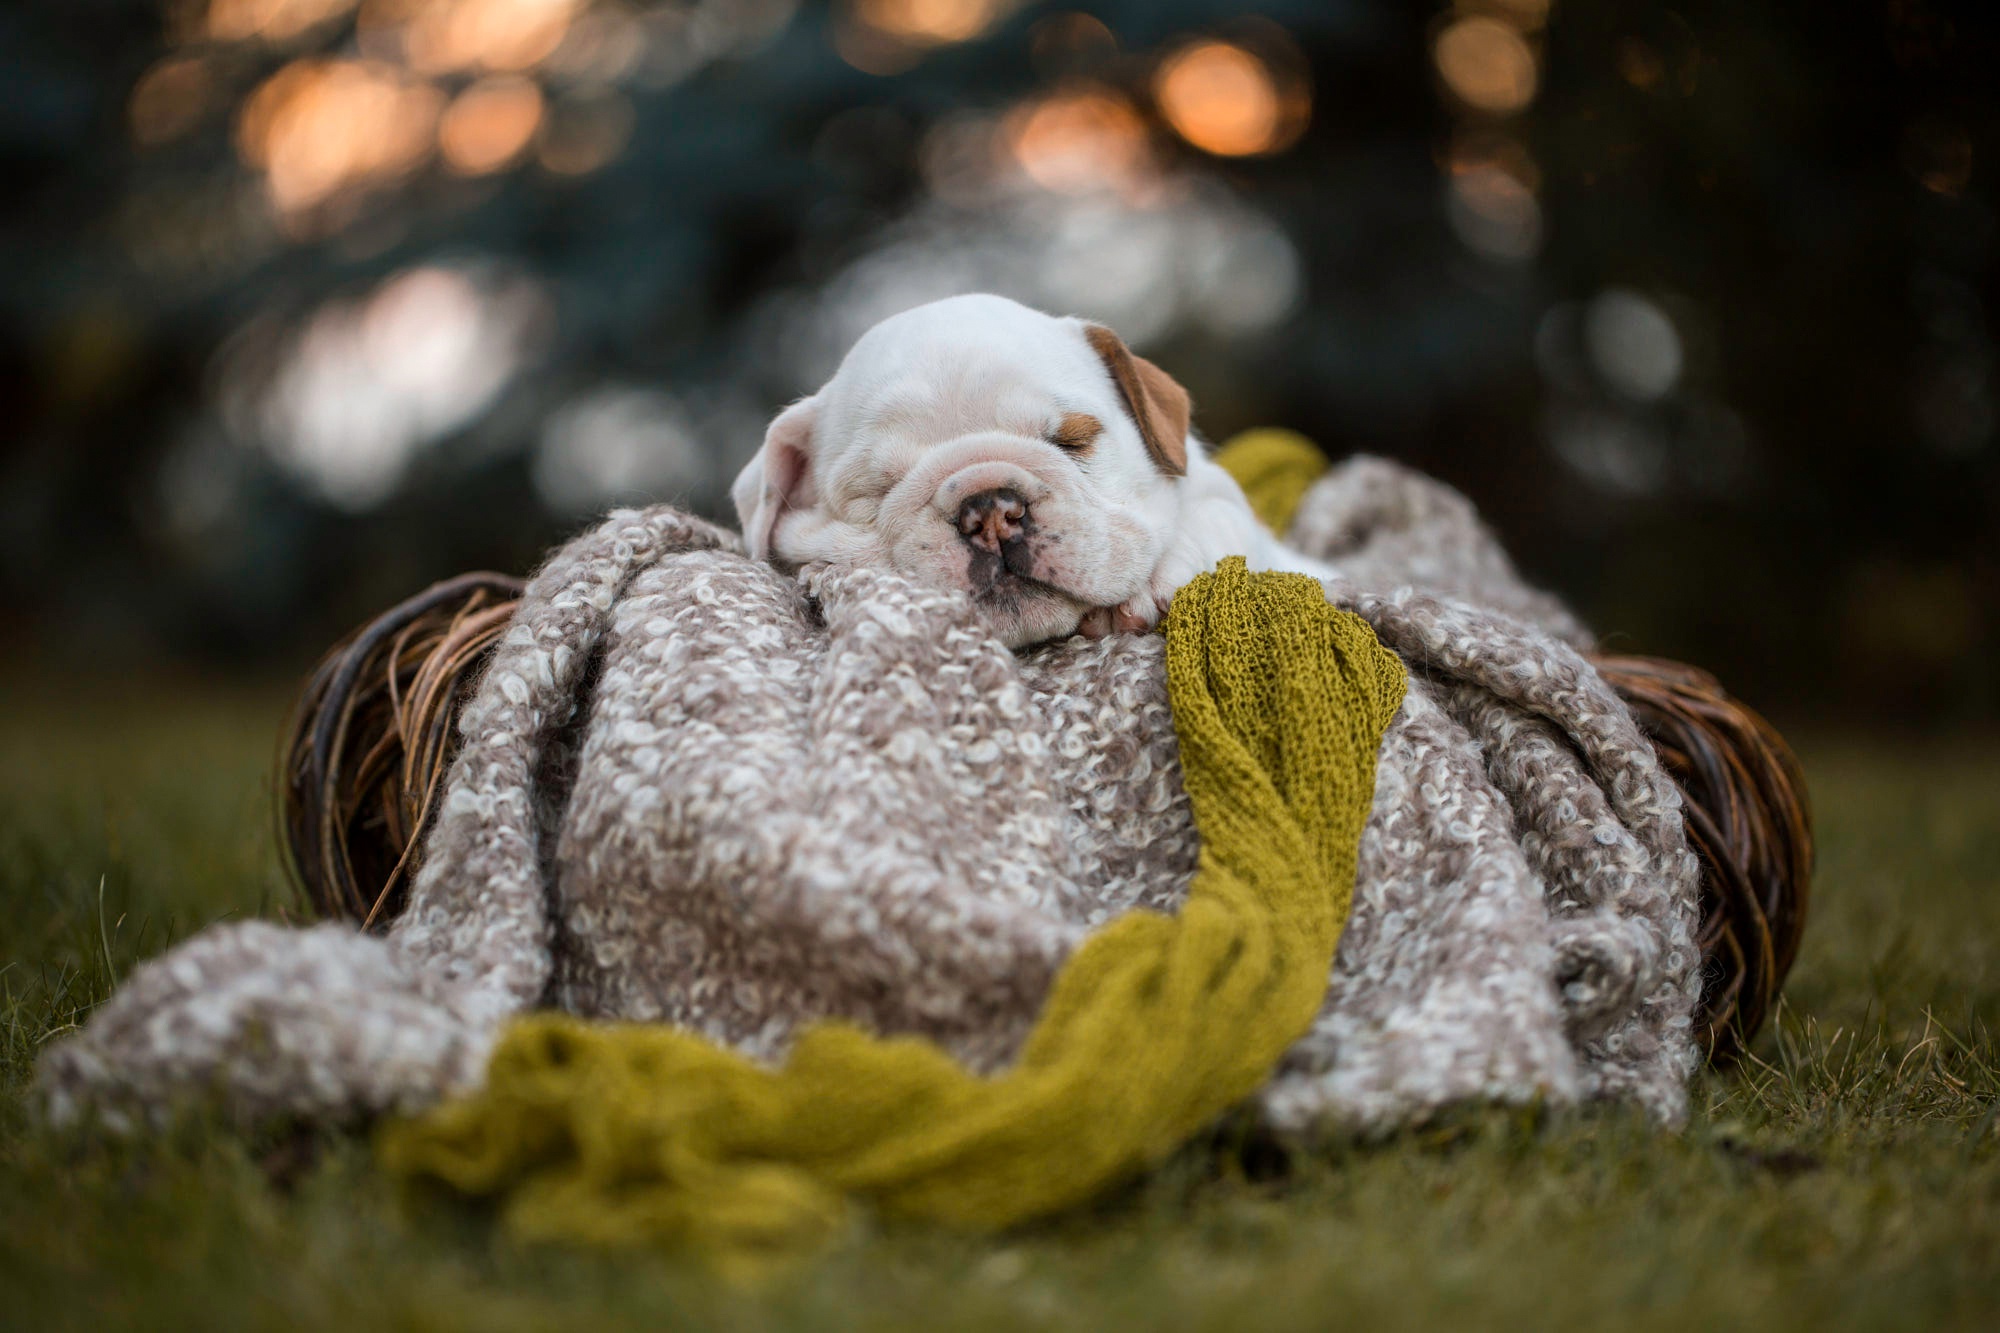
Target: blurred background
305	303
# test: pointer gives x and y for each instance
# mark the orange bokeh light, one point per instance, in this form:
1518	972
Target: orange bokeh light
318	127
272	20
446	36
1081	141
1224	100
1487	64
489	125
929	22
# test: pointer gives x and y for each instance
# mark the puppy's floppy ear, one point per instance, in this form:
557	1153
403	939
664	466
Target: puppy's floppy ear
1155	399
778	479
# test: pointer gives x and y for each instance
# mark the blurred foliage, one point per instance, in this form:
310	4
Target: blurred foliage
306	302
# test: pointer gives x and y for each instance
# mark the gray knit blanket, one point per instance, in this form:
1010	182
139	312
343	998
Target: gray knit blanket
693	789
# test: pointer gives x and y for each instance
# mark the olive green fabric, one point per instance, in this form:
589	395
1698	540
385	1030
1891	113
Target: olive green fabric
1274	467
623	1133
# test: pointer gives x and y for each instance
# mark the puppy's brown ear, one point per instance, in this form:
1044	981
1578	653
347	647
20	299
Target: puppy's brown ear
1155	399
779	479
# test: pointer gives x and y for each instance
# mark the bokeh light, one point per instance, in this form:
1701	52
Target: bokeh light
1612	450
329	132
1625	413
604	44
270	20
1081	141
347	401
318	127
1494	213
1489	69
889	36
447	36
1491	203
1487	65
489	125
1192	260
619	444
1632	344
1225	100
929	22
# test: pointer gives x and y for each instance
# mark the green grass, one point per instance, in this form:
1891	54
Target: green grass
1850	1175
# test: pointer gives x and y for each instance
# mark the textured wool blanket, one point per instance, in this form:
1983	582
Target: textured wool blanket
693	789
1155	1026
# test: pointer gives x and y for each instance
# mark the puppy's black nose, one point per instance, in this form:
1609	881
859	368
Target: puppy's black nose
992	519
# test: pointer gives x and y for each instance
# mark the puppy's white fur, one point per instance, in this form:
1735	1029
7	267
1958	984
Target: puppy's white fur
976	396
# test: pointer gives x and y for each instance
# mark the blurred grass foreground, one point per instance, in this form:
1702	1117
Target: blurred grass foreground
1848	1174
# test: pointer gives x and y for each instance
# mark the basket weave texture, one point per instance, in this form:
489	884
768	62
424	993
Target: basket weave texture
367	746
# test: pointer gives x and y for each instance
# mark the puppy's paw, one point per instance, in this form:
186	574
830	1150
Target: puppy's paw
1137	615
1169	577
1143	612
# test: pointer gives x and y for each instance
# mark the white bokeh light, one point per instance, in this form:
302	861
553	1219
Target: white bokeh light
347	401
619	444
1191	258
1611	450
1632	344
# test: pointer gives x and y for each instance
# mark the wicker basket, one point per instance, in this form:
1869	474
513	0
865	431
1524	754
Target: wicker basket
1749	822
365	752
365	749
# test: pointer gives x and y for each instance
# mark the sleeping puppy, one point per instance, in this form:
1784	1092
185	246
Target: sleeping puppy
1032	462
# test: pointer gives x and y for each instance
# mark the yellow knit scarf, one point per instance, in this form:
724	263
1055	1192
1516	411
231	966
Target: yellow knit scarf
1275	467
627	1132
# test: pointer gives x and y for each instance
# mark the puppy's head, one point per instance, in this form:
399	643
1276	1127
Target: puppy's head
976	444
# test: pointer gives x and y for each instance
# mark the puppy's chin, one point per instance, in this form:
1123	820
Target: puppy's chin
1024	614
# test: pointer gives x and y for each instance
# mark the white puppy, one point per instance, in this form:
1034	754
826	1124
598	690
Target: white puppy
1032	462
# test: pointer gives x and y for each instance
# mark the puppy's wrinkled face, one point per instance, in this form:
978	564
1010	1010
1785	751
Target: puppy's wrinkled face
977	444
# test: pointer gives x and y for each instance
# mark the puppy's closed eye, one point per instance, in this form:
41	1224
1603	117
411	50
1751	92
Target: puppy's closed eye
1076	432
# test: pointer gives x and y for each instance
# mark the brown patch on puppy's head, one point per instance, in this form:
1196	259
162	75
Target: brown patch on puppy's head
1158	404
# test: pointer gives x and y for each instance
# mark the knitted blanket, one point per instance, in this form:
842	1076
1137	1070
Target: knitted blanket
693	789
1155	1026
